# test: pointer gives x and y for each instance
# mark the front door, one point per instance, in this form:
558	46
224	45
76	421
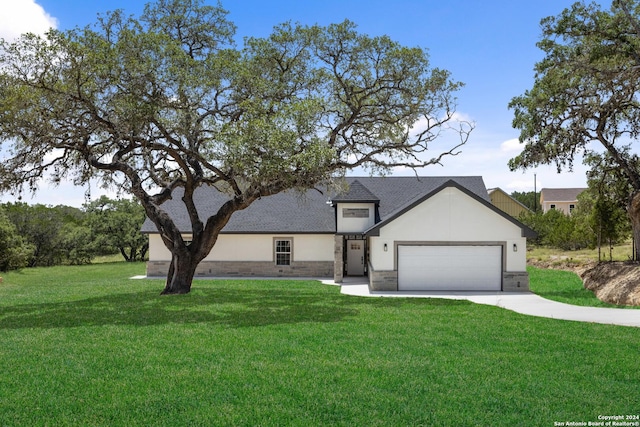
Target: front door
355	257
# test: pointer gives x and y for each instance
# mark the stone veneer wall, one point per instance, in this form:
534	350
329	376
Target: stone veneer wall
515	281
383	280
250	269
338	265
387	280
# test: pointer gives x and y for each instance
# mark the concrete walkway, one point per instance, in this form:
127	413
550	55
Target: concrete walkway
521	302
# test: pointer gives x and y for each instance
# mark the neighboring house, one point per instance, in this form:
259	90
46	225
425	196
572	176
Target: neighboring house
562	199
403	233
506	203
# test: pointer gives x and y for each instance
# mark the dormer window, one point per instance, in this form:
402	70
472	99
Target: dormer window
355	213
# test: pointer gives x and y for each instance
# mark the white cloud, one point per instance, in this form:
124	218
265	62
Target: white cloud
520	185
23	16
461	117
511	146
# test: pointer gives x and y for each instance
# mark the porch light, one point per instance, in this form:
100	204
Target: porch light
515	248
385	247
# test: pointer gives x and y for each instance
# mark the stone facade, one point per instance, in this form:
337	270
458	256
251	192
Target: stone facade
157	268
515	281
378	280
250	269
384	280
388	281
338	265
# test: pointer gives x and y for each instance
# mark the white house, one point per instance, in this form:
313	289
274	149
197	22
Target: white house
402	233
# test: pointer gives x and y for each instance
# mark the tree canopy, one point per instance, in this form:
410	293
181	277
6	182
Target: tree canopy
167	100
53	235
14	252
116	224
585	95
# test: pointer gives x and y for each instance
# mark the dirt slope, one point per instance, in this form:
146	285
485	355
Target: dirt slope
613	282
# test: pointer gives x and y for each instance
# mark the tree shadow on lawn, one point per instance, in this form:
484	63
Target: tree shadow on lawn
233	307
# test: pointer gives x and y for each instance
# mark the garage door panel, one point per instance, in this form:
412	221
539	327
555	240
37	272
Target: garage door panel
462	268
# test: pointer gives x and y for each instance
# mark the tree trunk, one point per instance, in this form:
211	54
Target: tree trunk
180	275
124	254
633	210
610	250
600	240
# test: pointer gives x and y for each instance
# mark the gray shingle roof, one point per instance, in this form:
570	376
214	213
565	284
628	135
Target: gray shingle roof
310	212
560	194
356	193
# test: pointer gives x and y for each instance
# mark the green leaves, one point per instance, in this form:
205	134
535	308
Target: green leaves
165	100
14	251
585	89
116	224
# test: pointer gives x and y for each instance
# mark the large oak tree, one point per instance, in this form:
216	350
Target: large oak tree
585	95
167	100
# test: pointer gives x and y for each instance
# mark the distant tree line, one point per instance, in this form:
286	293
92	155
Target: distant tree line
600	219
39	235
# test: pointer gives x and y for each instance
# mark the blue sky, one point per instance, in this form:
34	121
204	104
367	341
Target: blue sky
489	45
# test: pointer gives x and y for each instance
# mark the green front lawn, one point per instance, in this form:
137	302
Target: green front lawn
88	346
564	286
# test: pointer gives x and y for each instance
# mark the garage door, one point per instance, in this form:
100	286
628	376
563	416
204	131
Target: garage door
449	268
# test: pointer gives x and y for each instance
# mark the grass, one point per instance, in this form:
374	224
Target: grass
620	252
88	346
564	286
107	258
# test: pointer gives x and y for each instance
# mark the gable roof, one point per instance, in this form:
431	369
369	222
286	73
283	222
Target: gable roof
560	194
312	212
357	193
526	231
397	192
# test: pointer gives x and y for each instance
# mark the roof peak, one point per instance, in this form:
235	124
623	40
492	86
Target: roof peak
357	192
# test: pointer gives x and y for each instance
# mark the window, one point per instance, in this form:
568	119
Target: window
355	213
283	251
552	206
571	208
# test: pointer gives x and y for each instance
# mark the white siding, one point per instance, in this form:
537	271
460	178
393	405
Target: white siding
243	247
449	216
157	250
313	247
255	247
355	225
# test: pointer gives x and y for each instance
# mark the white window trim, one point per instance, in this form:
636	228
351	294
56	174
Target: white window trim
275	250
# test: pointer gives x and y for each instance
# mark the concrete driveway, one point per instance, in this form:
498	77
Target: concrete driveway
521	302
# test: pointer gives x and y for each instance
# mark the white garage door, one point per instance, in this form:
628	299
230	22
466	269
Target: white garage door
449	268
